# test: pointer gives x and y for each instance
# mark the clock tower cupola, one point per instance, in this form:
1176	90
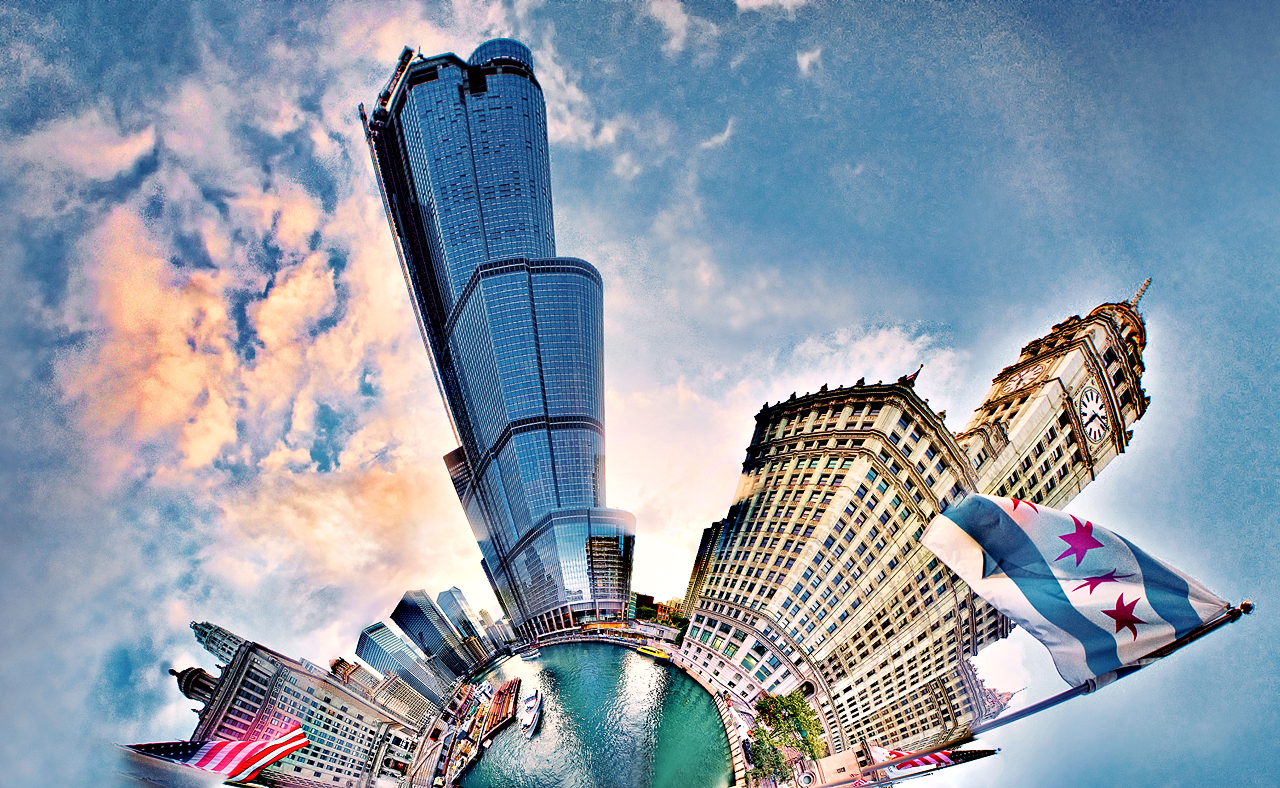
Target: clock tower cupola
1064	409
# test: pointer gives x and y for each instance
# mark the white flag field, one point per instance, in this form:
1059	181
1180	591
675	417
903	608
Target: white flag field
1093	598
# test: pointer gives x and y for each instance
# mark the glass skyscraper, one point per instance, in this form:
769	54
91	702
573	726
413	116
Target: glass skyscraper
455	606
382	650
427	625
514	332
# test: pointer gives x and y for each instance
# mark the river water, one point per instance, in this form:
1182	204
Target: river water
611	718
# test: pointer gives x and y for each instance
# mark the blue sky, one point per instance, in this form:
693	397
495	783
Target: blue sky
217	405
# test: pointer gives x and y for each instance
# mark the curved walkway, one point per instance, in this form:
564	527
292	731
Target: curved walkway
731	731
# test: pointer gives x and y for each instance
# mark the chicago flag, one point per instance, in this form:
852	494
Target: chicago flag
1092	597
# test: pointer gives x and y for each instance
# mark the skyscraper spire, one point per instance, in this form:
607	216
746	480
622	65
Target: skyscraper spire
1133	302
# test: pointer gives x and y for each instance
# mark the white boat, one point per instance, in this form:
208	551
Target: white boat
530	713
530	655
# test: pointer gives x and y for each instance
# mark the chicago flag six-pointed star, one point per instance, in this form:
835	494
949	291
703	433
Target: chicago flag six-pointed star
1097	580
1123	615
1081	541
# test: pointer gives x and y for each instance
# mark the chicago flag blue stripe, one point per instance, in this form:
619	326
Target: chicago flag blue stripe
988	525
1167	592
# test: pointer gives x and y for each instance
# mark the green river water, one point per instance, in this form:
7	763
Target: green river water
611	718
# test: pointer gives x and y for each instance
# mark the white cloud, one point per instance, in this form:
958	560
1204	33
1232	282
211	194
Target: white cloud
679	24
807	60
761	5
718	140
87	145
571	115
625	167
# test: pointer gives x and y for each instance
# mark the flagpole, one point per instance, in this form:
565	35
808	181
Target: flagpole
1228	616
1231	614
899	778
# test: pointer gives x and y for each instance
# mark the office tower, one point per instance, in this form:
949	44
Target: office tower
455	606
383	651
354	676
389	692
430	629
261	693
701	565
217	641
514	332
817	581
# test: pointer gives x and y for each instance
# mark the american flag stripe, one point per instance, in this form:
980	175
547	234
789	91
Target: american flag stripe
276	749
940	758
239	760
226	754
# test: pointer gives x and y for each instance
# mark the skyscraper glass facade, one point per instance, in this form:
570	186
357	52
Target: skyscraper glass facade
515	333
455	606
426	624
384	651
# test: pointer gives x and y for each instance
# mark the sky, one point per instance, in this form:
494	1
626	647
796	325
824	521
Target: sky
217	406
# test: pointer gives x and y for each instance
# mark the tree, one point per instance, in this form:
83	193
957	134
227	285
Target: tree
765	757
793	721
805	720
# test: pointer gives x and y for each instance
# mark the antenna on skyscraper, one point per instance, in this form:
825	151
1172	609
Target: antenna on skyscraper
1133	302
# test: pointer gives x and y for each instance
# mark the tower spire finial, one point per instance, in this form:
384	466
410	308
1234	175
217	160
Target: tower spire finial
1133	302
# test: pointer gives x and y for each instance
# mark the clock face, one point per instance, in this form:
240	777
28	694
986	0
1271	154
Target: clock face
1021	378
1093	414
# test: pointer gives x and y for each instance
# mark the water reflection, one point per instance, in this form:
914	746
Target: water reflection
610	718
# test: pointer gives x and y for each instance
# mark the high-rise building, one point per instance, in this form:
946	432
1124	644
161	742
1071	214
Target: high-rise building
514	332
701	565
261	693
217	641
817	581
382	650
454	604
390	692
429	628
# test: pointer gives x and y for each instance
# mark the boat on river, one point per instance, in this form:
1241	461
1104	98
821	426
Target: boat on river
530	655
530	713
656	653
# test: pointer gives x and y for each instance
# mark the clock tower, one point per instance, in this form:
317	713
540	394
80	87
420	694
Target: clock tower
1063	410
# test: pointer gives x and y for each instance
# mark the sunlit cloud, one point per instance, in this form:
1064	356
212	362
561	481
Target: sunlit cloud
762	5
679	25
808	60
718	140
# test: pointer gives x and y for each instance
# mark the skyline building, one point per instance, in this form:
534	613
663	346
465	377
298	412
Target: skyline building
454	604
816	579
430	629
514	332
701	565
390	691
219	642
260	693
385	652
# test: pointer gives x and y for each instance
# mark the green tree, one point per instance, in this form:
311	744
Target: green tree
767	761
793	722
805	722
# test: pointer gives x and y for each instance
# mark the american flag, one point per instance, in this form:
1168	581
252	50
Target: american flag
940	758
238	761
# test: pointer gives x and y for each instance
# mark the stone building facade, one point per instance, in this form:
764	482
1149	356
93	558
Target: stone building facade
261	693
816	579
